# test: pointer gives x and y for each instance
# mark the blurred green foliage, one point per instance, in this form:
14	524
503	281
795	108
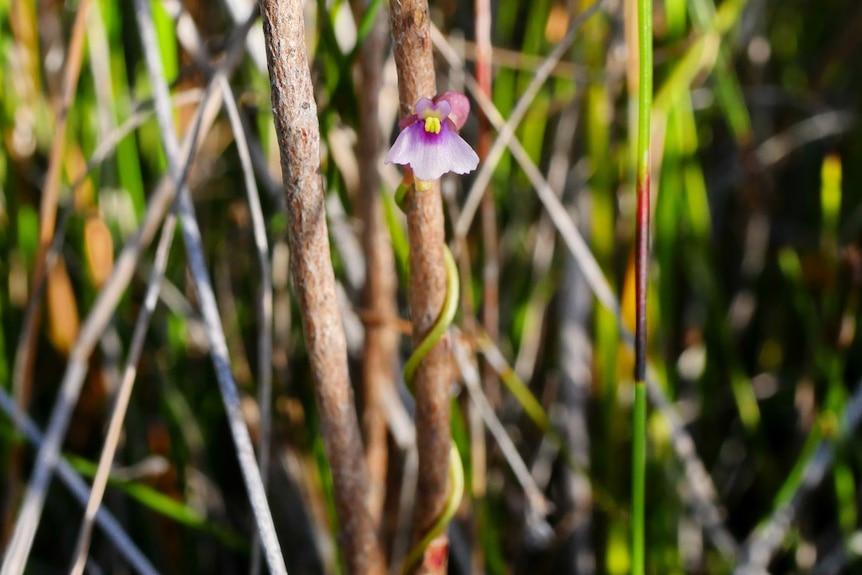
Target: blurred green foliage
756	277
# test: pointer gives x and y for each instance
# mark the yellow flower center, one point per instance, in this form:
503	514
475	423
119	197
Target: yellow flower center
432	125
422	185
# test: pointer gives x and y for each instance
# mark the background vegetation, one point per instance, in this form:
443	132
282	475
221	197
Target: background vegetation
755	289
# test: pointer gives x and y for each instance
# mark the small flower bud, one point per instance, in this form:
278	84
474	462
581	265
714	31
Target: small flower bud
460	107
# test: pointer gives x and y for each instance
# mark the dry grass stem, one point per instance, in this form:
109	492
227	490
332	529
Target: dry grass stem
544	245
765	540
264	334
507	131
104	519
470	376
91	331
100	314
50	195
200	275
136	347
124	394
25	353
572	415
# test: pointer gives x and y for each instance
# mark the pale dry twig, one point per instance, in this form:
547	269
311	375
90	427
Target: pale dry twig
295	115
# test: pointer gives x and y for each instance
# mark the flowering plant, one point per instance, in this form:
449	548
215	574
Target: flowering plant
429	143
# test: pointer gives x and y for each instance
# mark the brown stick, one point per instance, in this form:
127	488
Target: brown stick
411	34
490	270
381	341
427	291
298	131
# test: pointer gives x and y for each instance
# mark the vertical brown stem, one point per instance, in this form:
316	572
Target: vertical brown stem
427	292
411	45
298	131
488	215
381	340
491	267
411	36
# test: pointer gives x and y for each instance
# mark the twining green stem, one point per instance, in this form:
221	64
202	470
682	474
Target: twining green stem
641	275
456	491
444	320
456	469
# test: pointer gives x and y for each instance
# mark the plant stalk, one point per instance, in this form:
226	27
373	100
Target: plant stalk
379	294
641	286
298	129
411	33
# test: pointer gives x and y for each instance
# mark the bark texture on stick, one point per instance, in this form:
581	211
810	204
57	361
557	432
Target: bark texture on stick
411	46
381	339
298	131
411	37
427	291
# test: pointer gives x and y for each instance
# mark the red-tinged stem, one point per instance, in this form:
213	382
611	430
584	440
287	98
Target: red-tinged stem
641	284
488	214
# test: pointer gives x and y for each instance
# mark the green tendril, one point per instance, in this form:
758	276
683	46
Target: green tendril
456	469
456	491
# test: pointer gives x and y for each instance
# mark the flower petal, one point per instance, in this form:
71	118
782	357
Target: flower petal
446	152
442	109
461	157
424	106
431	155
404	122
406	145
459	107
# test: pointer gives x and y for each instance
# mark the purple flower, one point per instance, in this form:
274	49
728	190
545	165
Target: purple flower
429	142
